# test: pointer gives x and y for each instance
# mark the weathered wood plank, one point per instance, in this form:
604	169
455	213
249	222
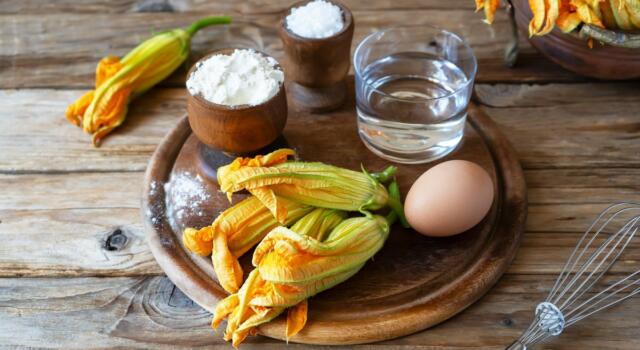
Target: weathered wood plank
71	191
88	224
111	242
68	209
61	50
150	312
611	95
585	186
244	7
576	125
593	187
551	126
74	242
36	137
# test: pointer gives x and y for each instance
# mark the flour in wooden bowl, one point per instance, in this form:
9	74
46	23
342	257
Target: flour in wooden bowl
246	77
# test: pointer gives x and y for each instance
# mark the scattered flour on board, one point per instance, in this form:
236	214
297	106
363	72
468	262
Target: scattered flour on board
153	191
185	193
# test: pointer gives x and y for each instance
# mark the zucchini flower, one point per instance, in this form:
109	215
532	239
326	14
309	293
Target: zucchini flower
234	232
118	81
312	183
245	311
292	266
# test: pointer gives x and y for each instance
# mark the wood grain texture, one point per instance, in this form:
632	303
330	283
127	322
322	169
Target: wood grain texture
150	313
36	138
565	192
78	213
75	214
244	7
551	126
74	242
39	58
61	200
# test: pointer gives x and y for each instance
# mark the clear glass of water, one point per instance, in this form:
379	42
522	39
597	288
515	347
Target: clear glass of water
413	86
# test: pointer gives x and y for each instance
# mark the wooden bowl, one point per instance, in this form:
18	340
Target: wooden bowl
572	52
318	66
238	129
317	62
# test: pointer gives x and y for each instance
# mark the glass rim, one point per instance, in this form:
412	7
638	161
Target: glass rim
358	73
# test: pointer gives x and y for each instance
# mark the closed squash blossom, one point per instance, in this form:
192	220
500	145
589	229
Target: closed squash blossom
311	183
233	233
569	14
292	266
118	81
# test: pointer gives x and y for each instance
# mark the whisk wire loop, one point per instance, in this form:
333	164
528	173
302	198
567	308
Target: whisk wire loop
572	297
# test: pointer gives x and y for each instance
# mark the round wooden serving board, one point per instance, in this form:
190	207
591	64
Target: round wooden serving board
413	283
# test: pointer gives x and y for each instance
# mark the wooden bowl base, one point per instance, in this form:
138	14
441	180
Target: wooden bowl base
209	159
318	100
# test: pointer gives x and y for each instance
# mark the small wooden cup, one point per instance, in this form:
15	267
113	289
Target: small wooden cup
240	129
317	68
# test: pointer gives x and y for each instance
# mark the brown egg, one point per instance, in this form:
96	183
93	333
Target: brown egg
449	198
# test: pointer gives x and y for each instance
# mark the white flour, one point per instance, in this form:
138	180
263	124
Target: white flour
153	191
245	77
317	19
185	195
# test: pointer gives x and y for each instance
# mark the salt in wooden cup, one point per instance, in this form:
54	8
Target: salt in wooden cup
317	68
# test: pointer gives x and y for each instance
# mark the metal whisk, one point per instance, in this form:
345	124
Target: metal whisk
574	296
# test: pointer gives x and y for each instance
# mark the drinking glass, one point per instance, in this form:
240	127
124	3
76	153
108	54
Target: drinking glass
413	86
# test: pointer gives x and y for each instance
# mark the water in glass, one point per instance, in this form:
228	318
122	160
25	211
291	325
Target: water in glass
412	106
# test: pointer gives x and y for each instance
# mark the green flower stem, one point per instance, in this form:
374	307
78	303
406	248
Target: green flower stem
391	218
386	175
395	203
207	21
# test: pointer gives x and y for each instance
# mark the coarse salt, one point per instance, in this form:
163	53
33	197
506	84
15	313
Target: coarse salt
317	19
245	77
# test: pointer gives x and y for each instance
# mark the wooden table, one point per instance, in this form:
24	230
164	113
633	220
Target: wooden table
76	270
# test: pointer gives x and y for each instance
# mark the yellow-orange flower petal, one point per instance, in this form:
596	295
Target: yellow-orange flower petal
490	8
272	202
198	241
226	266
75	111
107	67
234	232
607	14
276	157
538	8
551	15
620	14
586	13
568	21
296	318
224	309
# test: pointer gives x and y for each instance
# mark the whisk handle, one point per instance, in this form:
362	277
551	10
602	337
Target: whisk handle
516	346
